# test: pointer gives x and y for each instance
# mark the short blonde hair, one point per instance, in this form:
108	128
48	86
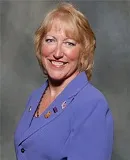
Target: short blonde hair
77	27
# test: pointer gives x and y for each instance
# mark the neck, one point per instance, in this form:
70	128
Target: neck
56	87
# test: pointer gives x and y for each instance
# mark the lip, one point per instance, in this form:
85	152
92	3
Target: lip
57	64
51	60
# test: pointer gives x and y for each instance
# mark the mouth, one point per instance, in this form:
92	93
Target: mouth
58	63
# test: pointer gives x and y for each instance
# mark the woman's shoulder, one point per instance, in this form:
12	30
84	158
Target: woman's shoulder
91	94
89	99
88	102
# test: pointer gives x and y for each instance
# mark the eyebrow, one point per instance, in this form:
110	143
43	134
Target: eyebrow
64	39
50	36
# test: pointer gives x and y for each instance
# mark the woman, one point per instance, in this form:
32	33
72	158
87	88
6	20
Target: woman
67	117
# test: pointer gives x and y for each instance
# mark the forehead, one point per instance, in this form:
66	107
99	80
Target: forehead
63	27
57	26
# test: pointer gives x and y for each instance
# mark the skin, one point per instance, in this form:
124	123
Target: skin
60	58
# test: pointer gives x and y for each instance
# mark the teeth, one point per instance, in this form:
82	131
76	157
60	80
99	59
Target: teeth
57	63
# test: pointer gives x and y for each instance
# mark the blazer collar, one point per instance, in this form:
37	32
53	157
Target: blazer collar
60	103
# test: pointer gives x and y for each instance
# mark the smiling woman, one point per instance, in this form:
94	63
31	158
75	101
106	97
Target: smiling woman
74	26
67	117
60	54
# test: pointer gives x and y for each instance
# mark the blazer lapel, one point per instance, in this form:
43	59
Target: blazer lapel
60	105
29	112
34	103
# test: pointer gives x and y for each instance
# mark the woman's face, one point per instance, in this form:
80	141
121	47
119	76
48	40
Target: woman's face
60	54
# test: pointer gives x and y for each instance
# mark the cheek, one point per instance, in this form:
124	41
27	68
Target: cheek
74	55
46	51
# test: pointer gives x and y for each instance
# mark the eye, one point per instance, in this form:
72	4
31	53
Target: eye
70	43
49	40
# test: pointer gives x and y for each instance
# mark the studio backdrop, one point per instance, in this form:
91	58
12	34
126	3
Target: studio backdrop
21	74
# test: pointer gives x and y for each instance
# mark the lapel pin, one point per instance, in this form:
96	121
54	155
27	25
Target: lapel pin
47	115
55	109
63	105
30	108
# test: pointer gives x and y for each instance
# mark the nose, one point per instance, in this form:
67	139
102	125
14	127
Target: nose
58	53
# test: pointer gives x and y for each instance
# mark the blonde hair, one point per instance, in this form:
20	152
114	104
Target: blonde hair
77	27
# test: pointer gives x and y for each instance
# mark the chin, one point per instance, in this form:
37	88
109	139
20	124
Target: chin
56	78
60	78
57	81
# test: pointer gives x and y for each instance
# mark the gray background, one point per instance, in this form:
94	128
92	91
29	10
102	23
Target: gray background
21	73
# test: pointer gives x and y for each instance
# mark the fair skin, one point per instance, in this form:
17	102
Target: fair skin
60	58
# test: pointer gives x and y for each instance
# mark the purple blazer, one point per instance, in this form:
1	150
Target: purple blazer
78	125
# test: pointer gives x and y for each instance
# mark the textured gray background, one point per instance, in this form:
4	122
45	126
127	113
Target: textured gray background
21	73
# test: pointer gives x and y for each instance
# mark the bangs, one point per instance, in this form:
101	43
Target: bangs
67	23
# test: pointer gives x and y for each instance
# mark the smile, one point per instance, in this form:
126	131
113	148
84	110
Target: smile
58	63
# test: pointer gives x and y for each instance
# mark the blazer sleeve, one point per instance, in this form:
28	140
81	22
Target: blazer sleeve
93	139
